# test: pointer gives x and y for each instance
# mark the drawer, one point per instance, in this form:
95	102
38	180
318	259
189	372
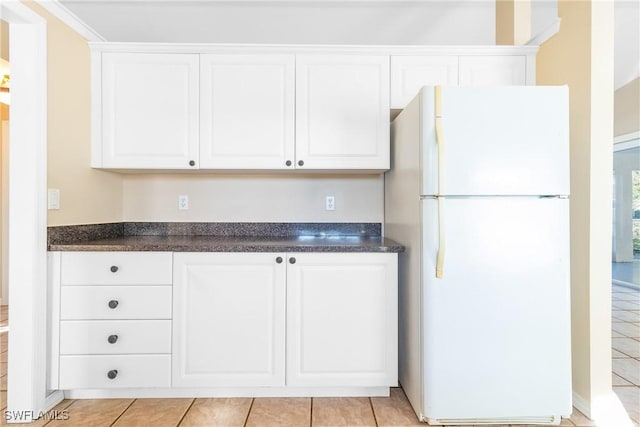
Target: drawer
116	268
115	336
131	302
131	371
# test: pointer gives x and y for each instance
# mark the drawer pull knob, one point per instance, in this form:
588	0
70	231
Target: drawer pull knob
288	163
300	162
112	339
114	268
292	260
192	163
112	374
279	260
113	303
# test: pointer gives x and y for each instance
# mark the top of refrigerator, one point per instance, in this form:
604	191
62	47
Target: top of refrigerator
494	141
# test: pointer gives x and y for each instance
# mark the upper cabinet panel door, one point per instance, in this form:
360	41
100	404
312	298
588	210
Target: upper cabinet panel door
410	73
342	112
149	111
493	70
247	111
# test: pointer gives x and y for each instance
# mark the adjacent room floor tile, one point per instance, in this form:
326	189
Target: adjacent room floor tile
629	369
627	316
618	380
627	329
629	398
628	346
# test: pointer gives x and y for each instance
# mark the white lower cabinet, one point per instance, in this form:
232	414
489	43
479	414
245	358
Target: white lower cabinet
342	319
229	319
228	324
115	371
273	323
112	320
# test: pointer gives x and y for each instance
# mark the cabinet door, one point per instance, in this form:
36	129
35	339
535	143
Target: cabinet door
247	111
228	323
342	320
342	112
149	110
492	70
410	73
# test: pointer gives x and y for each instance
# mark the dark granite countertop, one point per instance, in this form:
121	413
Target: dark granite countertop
222	237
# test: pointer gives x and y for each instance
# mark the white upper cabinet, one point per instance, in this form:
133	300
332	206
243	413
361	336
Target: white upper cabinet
342	111
149	111
410	73
492	70
271	108
247	111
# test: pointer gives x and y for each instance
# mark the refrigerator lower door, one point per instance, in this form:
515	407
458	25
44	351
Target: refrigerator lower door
496	325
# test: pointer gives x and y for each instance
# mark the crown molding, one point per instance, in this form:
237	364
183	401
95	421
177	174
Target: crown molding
545	34
310	48
58	10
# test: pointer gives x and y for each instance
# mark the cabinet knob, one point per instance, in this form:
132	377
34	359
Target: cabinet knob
113	303
112	374
114	268
112	339
292	260
192	162
279	260
288	163
300	162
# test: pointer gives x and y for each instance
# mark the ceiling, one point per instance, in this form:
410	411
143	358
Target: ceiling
410	22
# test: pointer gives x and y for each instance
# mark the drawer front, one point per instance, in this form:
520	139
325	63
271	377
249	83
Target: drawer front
116	268
127	371
115	336
130	302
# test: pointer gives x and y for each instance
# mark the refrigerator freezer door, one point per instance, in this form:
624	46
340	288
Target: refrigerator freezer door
511	140
496	326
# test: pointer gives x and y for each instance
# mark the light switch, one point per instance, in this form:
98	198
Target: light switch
53	199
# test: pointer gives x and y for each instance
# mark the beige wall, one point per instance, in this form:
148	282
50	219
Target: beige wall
86	195
581	55
4	40
627	108
513	22
252	198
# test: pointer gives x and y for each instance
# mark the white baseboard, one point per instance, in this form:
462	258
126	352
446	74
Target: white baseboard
606	410
625	284
581	404
177	392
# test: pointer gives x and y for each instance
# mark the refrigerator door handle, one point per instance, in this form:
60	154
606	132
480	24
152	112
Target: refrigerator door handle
440	200
441	238
439	136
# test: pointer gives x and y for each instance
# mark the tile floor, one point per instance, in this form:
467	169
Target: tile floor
625	343
355	411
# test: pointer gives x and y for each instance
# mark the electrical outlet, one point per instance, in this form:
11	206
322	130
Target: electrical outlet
330	203
183	202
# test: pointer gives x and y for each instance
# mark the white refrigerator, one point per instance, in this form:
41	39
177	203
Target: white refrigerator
478	192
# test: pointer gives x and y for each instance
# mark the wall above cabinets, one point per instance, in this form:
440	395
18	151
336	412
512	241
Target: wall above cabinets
270	108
